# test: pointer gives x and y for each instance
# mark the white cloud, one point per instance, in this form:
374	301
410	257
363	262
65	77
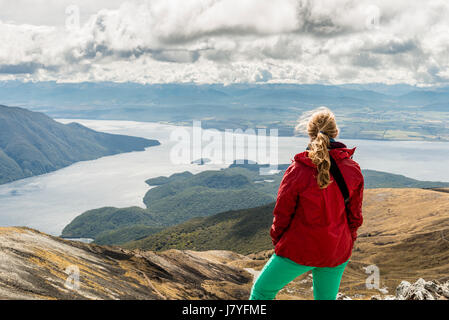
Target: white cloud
50	12
231	41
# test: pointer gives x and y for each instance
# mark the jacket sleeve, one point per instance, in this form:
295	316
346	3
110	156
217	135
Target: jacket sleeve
286	203
354	212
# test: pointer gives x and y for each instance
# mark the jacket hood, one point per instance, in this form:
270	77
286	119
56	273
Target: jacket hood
337	153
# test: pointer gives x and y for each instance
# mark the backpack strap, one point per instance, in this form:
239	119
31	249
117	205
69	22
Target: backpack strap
336	173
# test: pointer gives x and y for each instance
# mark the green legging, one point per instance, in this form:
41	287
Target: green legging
279	271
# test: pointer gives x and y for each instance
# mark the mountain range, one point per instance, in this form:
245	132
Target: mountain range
364	111
31	143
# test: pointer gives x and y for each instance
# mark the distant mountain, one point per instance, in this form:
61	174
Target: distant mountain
392	89
31	143
378	179
424	97
365	111
184	196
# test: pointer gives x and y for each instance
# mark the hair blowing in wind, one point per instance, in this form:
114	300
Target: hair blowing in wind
320	125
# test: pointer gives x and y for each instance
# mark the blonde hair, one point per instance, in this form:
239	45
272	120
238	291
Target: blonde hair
320	125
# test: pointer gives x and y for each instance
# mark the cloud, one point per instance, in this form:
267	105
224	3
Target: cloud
22	68
263	76
50	12
395	46
225	41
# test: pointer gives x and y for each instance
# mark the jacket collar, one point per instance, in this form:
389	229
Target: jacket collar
337	150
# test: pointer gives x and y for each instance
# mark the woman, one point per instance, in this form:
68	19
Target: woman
313	229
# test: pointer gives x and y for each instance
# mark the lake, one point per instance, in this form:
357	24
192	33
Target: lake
49	202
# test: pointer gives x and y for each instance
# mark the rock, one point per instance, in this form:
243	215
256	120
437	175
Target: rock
422	290
433	288
342	296
383	290
34	265
402	289
255	273
445	290
386	297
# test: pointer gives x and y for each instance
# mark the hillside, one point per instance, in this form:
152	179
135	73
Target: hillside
96	221
184	196
31	143
243	231
405	234
34	265
379	179
176	199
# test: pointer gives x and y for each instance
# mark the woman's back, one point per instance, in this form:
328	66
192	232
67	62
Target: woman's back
313	228
321	230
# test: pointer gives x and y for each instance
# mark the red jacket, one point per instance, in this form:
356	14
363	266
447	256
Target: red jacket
310	225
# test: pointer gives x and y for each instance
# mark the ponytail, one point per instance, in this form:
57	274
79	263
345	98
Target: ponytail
319	154
321	126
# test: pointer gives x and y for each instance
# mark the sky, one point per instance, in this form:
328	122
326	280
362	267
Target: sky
226	41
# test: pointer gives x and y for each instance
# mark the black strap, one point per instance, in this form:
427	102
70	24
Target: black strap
338	177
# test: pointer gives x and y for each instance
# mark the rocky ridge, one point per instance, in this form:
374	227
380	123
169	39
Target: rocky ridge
34	265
